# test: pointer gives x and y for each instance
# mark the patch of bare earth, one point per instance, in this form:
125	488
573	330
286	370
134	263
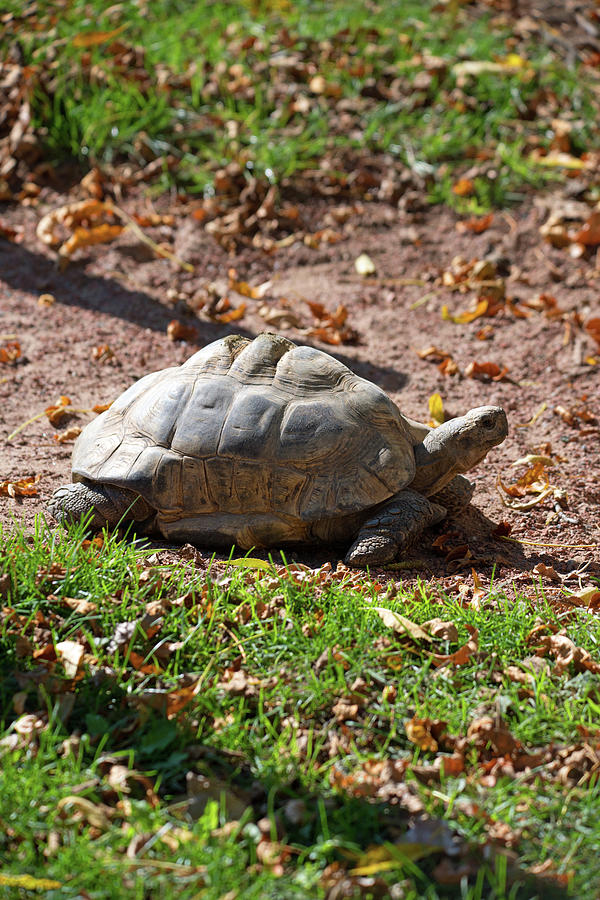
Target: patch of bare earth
113	304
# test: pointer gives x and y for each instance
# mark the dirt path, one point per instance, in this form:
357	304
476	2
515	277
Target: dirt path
121	297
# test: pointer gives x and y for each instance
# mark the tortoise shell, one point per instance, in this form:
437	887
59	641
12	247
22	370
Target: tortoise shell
251	428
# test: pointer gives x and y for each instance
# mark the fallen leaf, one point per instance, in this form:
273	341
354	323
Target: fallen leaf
464	187
232	315
69	434
95	38
592	326
436	409
566	653
58	410
545	571
177	331
513	63
29	882
558	159
444	631
89	237
486	370
103	352
475	225
417	732
462	656
70	653
589	234
467	316
10	352
21	487
246	290
401	625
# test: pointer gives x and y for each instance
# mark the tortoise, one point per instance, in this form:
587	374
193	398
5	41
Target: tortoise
260	443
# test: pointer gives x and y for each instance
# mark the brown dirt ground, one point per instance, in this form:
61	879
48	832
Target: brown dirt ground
122	296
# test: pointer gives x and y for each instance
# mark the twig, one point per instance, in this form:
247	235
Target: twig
503	537
160	251
67	409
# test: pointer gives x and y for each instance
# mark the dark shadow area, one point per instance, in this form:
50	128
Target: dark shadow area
24	270
473	531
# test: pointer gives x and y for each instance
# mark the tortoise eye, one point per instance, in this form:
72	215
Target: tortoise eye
488	422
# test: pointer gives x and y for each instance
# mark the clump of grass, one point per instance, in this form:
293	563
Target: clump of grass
278	87
235	674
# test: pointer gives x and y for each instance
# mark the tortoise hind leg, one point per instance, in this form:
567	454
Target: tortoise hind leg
393	528
109	504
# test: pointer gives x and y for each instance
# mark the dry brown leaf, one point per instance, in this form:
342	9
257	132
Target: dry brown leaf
69	434
462	656
10	352
418	732
88	237
177	331
475	225
443	631
70	216
95	38
103	353
545	571
589	234
59	410
246	290
77	604
464	187
93	184
20	487
434	354
486	370
592	326
566	653
232	315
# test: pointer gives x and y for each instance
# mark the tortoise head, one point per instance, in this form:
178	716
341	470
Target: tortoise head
457	446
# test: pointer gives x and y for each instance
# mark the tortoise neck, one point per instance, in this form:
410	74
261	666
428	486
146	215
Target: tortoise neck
435	463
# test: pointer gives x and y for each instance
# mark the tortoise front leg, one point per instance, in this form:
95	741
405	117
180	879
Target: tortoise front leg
108	505
394	527
456	496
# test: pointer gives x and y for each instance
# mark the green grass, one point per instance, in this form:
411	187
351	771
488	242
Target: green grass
302	643
168	75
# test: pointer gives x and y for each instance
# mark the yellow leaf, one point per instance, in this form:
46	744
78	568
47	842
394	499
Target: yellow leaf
28	882
485	66
250	563
513	59
558	160
436	408
390	856
468	315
